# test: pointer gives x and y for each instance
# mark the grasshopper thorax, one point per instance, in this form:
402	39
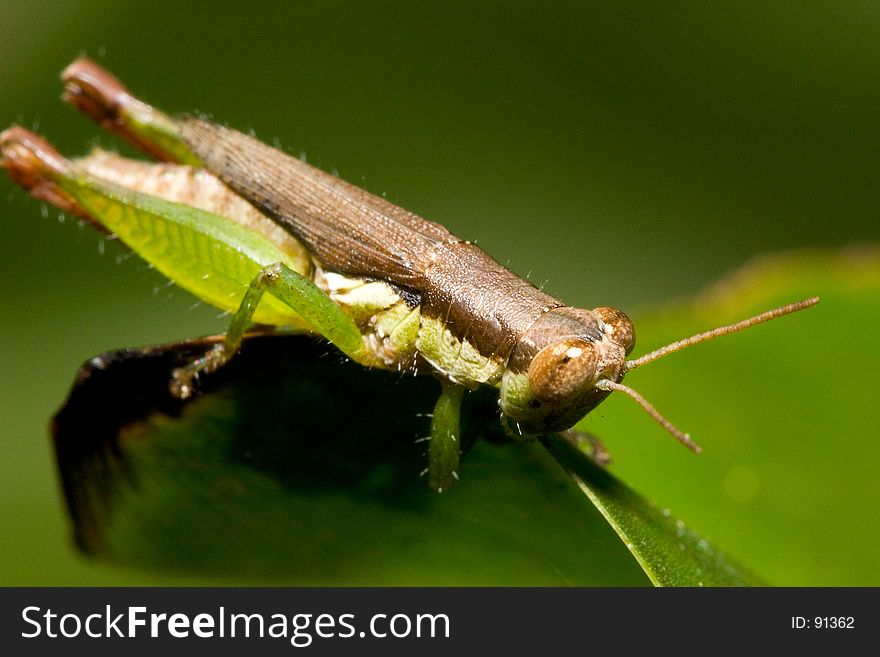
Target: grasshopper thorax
550	381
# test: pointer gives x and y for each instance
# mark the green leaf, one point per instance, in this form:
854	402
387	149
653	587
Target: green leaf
293	466
785	413
296	467
670	553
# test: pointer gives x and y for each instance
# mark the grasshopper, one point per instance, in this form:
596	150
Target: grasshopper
277	242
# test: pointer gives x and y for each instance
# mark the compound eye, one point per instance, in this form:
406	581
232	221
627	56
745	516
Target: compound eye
618	327
562	370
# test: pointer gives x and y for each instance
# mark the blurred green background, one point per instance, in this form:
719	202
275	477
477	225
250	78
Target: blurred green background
626	155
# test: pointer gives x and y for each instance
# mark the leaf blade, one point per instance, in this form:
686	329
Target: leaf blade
251	482
668	551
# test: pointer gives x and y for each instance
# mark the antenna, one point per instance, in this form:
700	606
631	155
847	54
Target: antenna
718	332
681	436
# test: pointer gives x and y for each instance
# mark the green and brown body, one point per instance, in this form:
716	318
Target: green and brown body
277	242
387	287
478	323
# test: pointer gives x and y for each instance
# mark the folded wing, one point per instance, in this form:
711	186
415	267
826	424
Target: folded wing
347	229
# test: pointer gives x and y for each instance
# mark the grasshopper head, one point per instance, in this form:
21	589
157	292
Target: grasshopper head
571	359
551	378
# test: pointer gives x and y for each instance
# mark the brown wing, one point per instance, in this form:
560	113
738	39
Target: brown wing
347	229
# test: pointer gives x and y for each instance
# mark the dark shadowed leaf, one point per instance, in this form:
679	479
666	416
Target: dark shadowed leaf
292	465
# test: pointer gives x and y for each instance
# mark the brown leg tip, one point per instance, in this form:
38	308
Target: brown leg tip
35	165
29	159
94	91
97	93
